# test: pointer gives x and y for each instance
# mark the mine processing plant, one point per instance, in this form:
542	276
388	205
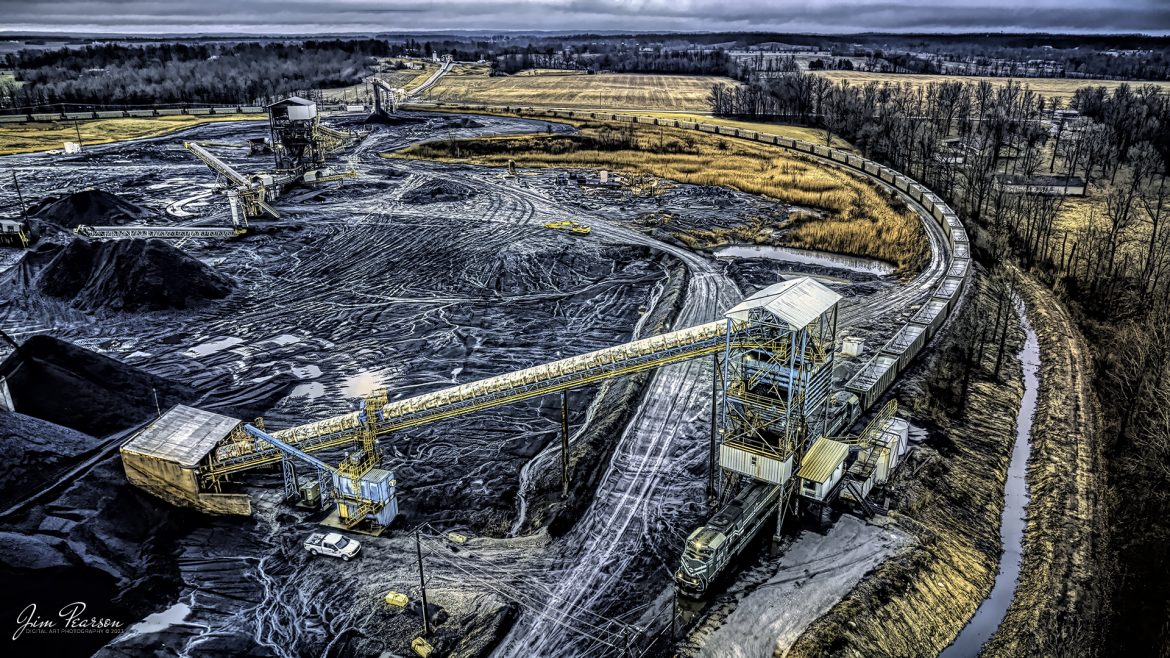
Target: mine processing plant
773	353
300	144
387	98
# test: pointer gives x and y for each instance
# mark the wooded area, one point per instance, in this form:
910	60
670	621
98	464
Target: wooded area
179	74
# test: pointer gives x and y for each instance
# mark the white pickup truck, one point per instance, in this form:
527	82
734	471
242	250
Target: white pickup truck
320	543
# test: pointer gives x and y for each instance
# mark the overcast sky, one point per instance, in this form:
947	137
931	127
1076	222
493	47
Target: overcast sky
827	16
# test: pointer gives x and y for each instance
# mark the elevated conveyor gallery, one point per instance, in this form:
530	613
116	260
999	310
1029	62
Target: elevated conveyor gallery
223	446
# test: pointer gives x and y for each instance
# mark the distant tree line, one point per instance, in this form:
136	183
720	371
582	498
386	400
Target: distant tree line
620	59
1110	262
227	71
244	73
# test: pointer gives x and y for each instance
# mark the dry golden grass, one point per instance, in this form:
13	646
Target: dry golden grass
49	135
601	91
856	217
1051	87
1079	212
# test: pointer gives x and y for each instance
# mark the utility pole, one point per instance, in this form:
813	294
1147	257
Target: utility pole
77	127
565	443
422	581
19	197
714	427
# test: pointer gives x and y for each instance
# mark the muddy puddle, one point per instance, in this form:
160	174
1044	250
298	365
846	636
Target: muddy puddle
808	257
991	612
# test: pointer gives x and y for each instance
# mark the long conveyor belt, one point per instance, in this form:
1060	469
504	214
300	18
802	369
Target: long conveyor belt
502	389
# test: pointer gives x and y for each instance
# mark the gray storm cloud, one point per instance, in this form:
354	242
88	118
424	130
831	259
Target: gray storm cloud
303	16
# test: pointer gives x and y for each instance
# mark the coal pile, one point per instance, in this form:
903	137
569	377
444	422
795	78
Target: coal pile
130	275
90	207
62	383
34	451
438	191
98	541
392	119
464	122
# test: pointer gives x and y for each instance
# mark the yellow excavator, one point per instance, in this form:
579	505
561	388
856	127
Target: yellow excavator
570	226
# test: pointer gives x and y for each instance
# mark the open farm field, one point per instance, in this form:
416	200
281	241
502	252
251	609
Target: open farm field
680	93
48	135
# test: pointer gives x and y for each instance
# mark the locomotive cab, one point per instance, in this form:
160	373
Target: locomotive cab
700	560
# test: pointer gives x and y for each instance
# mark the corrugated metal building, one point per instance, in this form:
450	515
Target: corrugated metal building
165	456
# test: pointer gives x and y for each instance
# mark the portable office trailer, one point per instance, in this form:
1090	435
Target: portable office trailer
755	464
821	468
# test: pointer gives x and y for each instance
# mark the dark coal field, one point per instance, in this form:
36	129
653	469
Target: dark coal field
413	276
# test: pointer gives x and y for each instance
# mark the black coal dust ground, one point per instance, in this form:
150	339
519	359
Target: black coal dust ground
412	276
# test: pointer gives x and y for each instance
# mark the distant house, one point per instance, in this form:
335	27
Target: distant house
955	150
1051	185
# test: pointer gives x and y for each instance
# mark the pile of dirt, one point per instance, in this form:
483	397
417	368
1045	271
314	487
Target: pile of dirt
62	383
438	191
130	275
91	207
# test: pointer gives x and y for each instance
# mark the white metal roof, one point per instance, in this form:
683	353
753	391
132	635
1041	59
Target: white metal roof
796	301
292	100
183	435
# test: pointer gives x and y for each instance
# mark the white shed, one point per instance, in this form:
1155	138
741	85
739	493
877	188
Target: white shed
821	468
852	346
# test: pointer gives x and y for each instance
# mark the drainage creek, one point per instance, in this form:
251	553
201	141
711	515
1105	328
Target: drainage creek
1011	531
